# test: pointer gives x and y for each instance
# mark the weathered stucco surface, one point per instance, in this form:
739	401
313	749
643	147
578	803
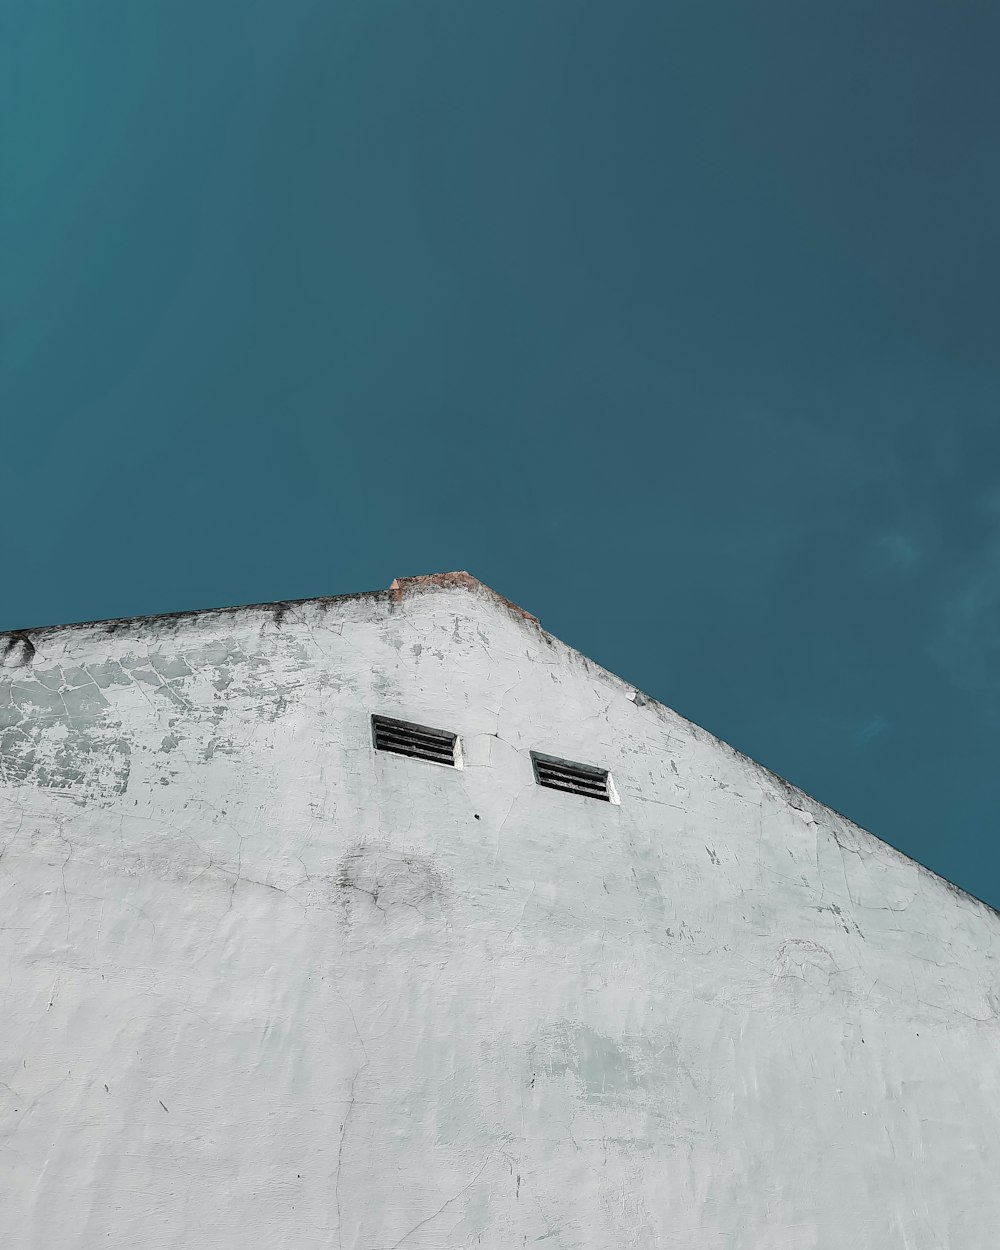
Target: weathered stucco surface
263	988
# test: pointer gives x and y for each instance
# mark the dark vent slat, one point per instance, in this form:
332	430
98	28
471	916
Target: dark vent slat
552	783
571	770
418	731
574	774
426	744
435	748
407	748
587	794
581	779
414	731
415	741
402	735
577	783
413	748
555	783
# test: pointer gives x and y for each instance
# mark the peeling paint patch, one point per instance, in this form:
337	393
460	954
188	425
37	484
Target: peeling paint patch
57	734
601	1066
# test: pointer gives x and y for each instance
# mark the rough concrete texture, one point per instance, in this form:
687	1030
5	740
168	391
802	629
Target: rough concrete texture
264	988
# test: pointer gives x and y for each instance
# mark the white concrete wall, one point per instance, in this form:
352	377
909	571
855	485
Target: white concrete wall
263	988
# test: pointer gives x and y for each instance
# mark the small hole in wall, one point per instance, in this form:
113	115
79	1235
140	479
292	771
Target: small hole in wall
477	815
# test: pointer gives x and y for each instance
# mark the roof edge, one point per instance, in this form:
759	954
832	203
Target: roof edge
277	607
401	586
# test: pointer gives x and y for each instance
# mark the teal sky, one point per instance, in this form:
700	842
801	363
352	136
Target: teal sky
677	323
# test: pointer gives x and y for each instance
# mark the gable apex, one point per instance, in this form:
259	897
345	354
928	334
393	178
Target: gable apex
461	580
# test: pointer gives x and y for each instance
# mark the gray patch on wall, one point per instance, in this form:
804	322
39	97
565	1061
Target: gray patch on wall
378	877
604	1068
55	732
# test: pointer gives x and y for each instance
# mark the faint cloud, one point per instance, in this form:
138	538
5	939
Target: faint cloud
895	550
861	733
968	642
872	729
990	503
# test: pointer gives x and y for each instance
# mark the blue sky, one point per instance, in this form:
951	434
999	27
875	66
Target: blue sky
677	323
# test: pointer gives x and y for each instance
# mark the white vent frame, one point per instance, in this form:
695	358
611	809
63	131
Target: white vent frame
391	736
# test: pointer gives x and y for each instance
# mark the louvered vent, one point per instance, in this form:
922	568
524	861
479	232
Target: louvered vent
403	738
583	779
